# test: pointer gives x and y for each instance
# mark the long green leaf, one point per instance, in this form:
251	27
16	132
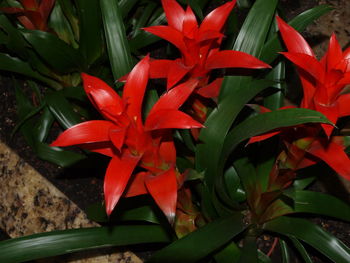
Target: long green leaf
90	22
56	53
263	123
312	234
200	243
319	203
229	254
117	44
67	241
301	249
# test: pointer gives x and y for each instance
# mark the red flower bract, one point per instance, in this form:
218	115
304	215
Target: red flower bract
130	142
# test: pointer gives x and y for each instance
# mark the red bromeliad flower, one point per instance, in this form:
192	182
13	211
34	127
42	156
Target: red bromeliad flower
130	142
199	47
33	15
323	81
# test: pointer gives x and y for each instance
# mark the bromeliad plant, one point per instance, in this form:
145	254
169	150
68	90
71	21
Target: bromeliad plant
224	160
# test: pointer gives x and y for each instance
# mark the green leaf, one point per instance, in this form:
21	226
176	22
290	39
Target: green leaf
266	122
312	234
276	100
56	53
126	5
117	43
302	183
249	251
219	122
229	254
319	203
91	43
284	251
16	65
67	241
68	9
62	110
300	22
301	249
44	124
198	245
233	185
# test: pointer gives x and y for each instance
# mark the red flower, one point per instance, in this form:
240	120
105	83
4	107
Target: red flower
33	15
323	81
130	142
199	47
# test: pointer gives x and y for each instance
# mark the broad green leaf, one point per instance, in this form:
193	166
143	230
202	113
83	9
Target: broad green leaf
229	254
219	122
68	9
91	43
302	183
55	243
266	122
284	251
276	100
63	158
300	22
249	251
117	43
144	17
198	245
233	184
16	65
125	6
313	235
319	203
56	53
62	110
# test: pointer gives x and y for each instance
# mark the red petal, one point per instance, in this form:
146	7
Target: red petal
174	13
45	8
117	136
159	68
30	4
36	18
26	22
163	189
216	19
177	71
308	63
334	53
167	152
12	10
117	177
332	113
308	89
170	34
262	137
85	132
190	24
137	185
293	40
103	97
209	34
212	90
234	59
105	148
334	155
344	105
174	98
170	119
135	88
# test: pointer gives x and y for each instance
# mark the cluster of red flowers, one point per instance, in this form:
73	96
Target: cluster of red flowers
143	154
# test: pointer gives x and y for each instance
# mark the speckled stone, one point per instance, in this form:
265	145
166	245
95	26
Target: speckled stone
31	204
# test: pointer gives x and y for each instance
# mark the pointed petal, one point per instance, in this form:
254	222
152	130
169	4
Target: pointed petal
117	176
167	152
117	136
12	10
170	119
105	148
85	132
190	24
260	138
174	13
174	98
103	97
137	185
293	40
45	8
30	4
135	88
308	63
334	155
170	34
159	68
234	59
309	89
26	22
334	53
163	189
208	35
344	105
177	71
216	19
212	90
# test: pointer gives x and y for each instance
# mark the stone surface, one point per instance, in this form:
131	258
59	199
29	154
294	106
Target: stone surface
31	204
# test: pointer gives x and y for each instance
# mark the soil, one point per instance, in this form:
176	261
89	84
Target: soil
84	187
